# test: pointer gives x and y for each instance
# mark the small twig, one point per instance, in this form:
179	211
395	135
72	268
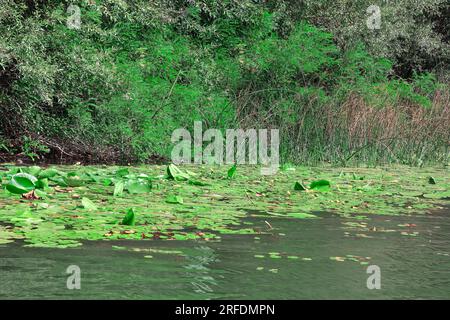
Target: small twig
167	97
249	198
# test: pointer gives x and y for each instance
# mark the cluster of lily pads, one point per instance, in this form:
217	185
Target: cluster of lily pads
63	206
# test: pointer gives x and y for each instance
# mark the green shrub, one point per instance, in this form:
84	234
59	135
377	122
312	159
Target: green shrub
115	89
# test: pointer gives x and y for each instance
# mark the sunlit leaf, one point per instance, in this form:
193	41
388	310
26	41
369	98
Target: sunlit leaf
175	173
88	204
118	188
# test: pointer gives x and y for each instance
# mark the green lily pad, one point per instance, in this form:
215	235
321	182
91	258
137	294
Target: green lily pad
129	219
137	187
299	187
231	172
88	204
118	188
21	183
175	173
174	199
320	185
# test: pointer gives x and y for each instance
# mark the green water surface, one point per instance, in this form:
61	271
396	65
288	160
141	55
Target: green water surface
248	237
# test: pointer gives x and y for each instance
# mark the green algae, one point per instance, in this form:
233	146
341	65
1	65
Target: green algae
89	203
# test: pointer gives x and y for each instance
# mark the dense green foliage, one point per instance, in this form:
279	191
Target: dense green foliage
134	71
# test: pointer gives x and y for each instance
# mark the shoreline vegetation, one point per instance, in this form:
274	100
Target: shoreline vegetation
113	89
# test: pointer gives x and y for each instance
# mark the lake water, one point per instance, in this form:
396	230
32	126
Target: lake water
412	252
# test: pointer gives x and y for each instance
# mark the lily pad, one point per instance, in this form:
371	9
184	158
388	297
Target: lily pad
129	219
231	172
320	185
299	186
88	204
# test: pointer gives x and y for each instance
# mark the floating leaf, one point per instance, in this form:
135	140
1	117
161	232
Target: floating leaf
175	173
59	181
137	186
41	194
299	187
33	170
231	171
41	183
438	195
118	188
320	185
174	199
197	183
301	215
21	183
339	259
73	180
431	180
47	173
88	204
122	172
129	218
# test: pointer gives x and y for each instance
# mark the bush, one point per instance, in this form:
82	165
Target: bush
116	88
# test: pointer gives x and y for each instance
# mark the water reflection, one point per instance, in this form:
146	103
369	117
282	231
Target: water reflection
199	271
